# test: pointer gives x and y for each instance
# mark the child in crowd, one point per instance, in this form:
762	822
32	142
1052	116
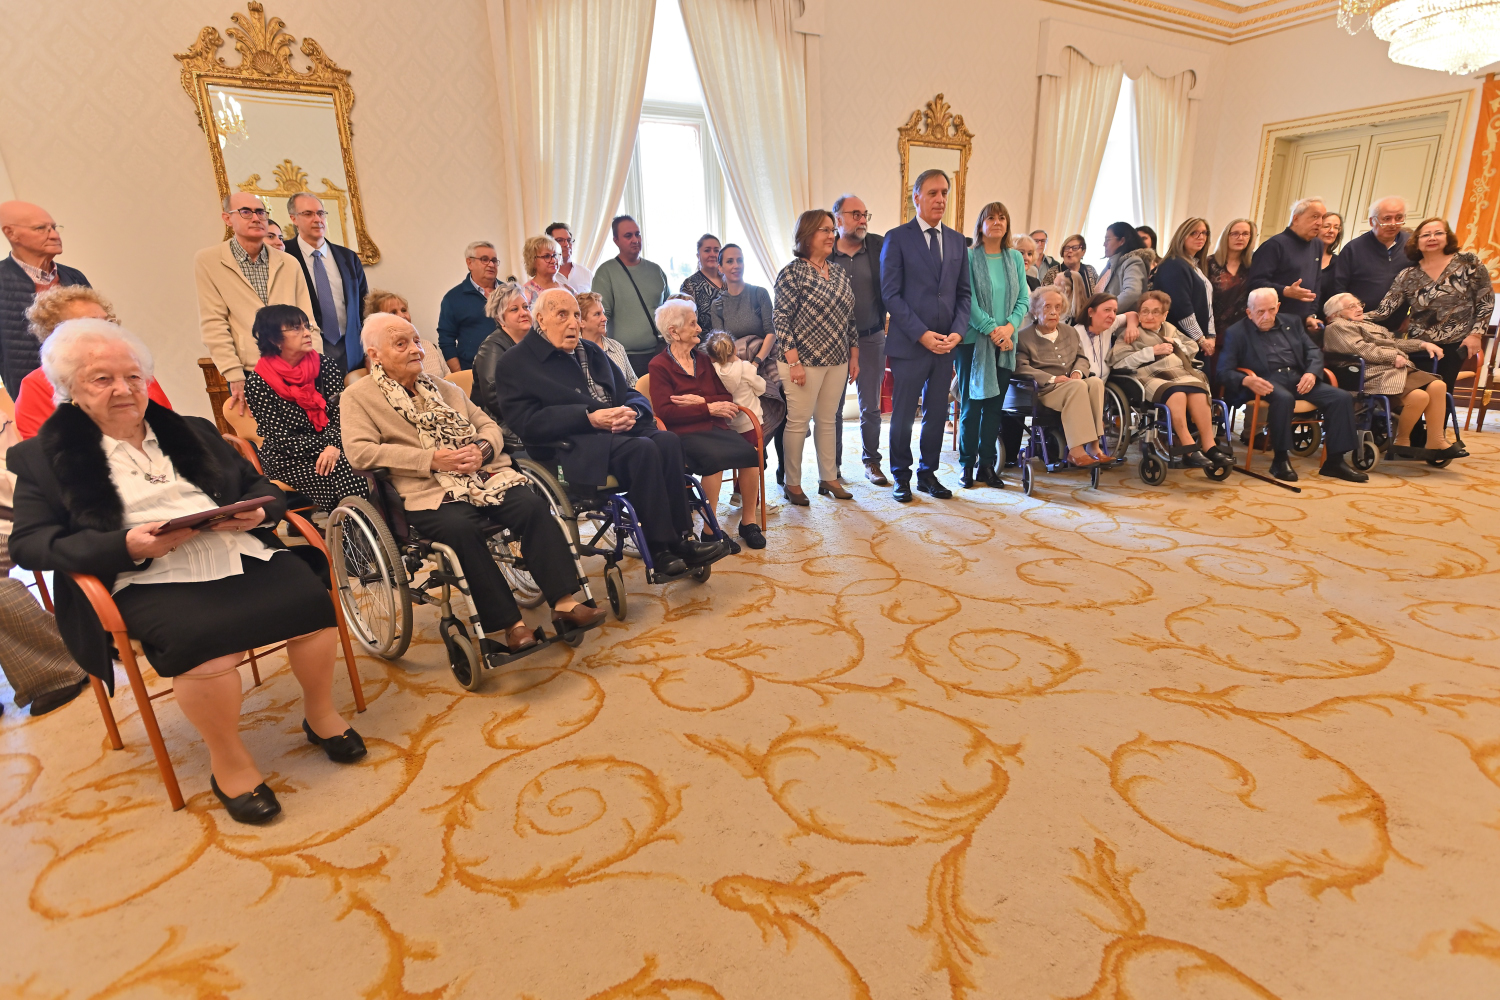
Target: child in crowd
745	385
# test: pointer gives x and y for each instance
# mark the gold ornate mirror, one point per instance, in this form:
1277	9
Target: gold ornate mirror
935	138
273	129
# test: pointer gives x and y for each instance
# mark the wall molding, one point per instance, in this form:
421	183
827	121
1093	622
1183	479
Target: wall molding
1215	20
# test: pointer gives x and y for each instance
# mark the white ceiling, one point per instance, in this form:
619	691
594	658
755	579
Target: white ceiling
1220	20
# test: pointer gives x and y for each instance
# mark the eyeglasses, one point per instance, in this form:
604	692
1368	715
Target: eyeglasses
486	261
568	240
50	227
825	229
1390	220
546	256
859	216
299	328
320	213
253	213
1072	246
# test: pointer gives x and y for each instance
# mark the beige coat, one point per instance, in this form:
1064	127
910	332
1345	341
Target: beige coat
377	437
1375	344
227	305
1040	359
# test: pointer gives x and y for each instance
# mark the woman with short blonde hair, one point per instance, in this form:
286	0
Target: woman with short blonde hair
541	256
380	301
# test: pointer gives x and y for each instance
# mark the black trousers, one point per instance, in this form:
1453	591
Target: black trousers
545	549
1454	356
640	361
650	467
1336	404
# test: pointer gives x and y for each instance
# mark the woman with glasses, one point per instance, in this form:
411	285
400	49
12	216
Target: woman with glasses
1229	271
511	311
541	256
1079	279
706	284
569	271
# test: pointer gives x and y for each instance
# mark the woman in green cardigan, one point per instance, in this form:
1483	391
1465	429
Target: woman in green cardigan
987	355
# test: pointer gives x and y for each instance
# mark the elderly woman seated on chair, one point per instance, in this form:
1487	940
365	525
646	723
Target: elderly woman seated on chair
1389	372
1049	352
446	459
294	395
1154	351
107	469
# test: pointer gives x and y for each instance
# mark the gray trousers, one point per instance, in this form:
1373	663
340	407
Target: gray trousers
867	385
32	653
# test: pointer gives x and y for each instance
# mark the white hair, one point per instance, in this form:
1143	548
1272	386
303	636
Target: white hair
1260	295
1375	205
673	314
62	355
1034	308
1022	242
1303	203
376	326
469	250
1336	304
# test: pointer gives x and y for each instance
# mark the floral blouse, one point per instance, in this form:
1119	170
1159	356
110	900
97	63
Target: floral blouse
1445	311
704	292
1230	293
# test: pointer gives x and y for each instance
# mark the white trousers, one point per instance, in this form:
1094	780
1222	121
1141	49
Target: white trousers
819	399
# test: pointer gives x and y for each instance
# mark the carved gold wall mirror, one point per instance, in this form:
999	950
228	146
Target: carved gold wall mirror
275	130
935	138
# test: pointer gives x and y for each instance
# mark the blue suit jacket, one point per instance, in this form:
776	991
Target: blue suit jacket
918	295
1243	347
356	287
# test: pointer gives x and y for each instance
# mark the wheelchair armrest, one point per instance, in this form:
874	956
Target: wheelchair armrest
554	445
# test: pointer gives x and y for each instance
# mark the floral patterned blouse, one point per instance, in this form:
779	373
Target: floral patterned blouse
1445	311
704	292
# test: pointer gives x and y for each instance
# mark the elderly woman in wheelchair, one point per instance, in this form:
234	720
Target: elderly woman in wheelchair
106	472
1388	371
445	458
1050	354
1152	351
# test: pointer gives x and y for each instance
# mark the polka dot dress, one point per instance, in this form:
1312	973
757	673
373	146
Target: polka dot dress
291	446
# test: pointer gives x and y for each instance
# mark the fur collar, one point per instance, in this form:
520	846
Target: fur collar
73	445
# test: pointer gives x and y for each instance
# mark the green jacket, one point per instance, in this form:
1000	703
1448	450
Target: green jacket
627	323
985	314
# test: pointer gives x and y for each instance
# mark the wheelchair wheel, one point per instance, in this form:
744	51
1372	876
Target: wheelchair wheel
1307	438
1152	469
522	586
614	588
372	578
463	657
1028	477
702	573
1439	463
1218	473
1094	478
1366	452
1117	413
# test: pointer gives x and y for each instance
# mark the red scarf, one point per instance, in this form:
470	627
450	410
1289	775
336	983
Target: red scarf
297	383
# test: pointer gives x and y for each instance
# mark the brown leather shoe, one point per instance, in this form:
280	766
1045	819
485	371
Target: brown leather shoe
519	636
580	617
795	496
827	488
874	475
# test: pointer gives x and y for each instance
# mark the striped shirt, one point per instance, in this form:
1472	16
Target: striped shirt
814	314
257	270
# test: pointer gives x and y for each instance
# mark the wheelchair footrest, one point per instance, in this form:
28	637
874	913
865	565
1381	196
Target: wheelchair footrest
497	655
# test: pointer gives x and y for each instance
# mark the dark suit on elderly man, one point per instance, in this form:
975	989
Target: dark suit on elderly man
1281	356
345	347
545	398
924	288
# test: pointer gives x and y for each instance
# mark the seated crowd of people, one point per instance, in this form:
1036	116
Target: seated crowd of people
609	375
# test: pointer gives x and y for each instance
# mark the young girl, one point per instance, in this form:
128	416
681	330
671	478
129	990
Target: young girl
745	385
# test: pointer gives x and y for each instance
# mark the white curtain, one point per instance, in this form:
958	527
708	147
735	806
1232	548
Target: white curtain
571	74
1074	112
753	67
1161	123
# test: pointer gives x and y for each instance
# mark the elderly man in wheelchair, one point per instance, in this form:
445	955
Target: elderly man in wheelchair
445	458
580	419
1270	355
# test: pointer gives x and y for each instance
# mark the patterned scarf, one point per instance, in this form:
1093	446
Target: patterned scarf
441	426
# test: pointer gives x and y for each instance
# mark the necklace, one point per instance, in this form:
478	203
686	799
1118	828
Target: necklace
154	478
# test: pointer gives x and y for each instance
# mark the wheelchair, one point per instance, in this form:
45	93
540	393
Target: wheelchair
1043	436
1151	425
1375	421
384	567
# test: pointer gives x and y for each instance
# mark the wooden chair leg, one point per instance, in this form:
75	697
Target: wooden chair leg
254	666
41	589
148	719
354	682
110	726
1254	420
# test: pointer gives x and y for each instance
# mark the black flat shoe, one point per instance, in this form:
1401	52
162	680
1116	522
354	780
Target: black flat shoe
902	491
667	563
1195	459
1281	468
698	553
1337	468
734	546
1220	456
50	701
753	536
256	807
345	749
929	484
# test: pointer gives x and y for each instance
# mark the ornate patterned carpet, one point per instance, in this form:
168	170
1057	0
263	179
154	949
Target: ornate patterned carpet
1209	741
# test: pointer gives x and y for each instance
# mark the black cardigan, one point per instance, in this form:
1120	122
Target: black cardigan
69	517
1178	278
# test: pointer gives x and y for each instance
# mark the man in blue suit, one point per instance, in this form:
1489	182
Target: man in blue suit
338	285
924	280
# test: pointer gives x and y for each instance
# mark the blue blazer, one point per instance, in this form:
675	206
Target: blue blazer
1243	347
356	287
918	295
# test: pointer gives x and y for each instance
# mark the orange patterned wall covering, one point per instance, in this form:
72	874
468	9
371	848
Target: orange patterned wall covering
1479	216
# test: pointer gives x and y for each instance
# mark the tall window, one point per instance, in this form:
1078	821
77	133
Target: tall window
675	188
1116	193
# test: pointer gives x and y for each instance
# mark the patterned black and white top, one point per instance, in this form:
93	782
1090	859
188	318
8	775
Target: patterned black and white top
1445	311
704	292
814	314
257	269
291	446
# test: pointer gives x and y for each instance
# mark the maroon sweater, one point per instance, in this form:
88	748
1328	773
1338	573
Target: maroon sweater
668	380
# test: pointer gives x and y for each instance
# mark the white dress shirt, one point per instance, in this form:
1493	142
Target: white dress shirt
335	281
581	279
937	229
208	555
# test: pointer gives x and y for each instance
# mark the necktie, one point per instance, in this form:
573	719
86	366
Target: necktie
936	248
328	310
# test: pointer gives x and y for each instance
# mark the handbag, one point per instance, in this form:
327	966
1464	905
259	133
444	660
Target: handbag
650	316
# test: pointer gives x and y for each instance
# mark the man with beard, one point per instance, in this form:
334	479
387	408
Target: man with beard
858	252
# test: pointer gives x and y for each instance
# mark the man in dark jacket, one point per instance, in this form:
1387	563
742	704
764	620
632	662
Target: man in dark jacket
554	387
1286	365
462	323
858	252
35	240
1291	263
338	287
1369	263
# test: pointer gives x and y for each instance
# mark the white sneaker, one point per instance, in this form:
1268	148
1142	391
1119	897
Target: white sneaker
735	500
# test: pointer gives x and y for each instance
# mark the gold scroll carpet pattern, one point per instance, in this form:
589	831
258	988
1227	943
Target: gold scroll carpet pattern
1203	740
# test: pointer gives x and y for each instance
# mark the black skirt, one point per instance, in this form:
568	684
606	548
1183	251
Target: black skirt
716	450
182	625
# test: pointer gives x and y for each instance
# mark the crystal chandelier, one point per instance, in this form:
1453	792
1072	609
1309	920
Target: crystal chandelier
1457	36
229	119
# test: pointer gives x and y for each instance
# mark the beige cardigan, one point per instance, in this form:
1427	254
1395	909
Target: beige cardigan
377	437
227	305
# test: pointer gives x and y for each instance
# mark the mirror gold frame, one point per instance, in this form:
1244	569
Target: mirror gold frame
935	127
265	48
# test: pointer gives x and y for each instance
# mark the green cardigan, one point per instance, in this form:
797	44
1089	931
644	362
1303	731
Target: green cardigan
983	312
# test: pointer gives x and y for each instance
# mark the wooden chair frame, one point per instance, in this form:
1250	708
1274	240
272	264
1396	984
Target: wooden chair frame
1306	418
110	618
760	446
